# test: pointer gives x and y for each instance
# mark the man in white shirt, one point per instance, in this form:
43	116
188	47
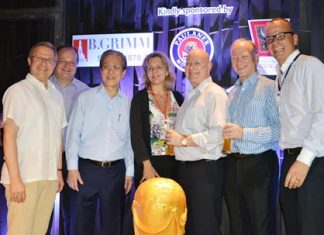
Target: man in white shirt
33	117
300	83
198	143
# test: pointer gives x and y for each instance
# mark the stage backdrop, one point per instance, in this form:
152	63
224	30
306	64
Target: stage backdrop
22	23
86	17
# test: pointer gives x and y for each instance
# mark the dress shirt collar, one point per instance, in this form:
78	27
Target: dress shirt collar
288	61
38	83
58	84
247	82
200	87
203	84
103	92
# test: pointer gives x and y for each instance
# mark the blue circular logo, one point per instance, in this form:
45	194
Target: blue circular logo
186	41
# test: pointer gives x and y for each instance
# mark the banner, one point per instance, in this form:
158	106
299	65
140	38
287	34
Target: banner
267	64
135	46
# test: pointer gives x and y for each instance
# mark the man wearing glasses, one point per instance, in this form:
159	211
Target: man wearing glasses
300	83
33	116
98	150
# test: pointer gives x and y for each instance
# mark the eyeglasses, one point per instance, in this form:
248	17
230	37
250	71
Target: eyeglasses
69	63
277	37
194	64
112	67
40	59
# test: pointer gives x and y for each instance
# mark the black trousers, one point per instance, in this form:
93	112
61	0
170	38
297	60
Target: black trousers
202	182
67	204
303	208
166	166
251	186
103	185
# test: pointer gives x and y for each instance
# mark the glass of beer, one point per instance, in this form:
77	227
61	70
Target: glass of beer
227	146
170	149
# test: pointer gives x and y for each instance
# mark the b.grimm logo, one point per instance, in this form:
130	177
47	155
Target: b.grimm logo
186	41
82	47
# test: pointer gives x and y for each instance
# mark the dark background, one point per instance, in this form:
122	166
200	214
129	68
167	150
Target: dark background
23	23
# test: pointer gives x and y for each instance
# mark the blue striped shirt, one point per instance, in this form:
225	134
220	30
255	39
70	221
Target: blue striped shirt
254	106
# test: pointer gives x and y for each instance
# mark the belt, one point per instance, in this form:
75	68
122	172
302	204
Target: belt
293	151
197	161
99	163
245	156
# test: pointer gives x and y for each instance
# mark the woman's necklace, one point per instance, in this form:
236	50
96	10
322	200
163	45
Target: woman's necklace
162	104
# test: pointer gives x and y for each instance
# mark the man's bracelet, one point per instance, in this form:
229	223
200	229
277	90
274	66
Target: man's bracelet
59	169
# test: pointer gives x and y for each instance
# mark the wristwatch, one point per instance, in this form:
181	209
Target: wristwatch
184	142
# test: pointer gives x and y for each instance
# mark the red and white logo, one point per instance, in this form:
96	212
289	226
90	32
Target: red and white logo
186	41
82	47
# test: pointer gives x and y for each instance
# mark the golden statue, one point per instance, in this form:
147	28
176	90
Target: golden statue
159	208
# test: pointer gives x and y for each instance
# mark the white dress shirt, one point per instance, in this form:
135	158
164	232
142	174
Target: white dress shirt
39	114
302	106
202	117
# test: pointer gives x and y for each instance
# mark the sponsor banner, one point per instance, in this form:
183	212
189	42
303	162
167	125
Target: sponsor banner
187	40
267	64
135	46
187	11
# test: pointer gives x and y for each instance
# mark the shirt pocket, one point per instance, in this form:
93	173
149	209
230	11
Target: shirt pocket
122	126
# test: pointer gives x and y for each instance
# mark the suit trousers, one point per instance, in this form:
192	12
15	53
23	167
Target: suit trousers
67	204
303	208
202	182
251	188
103	185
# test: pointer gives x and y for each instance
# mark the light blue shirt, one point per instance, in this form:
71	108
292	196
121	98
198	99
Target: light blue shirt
254	106
69	93
99	129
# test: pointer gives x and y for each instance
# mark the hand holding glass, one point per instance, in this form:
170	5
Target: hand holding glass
227	143
170	148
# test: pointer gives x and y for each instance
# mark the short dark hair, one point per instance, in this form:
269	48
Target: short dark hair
62	47
113	52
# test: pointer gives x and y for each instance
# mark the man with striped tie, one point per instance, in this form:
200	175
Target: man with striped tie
251	173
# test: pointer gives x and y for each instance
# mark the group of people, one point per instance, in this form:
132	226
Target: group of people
111	144
262	112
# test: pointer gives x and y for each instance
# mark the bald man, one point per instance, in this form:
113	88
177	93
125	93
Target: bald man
198	144
251	173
